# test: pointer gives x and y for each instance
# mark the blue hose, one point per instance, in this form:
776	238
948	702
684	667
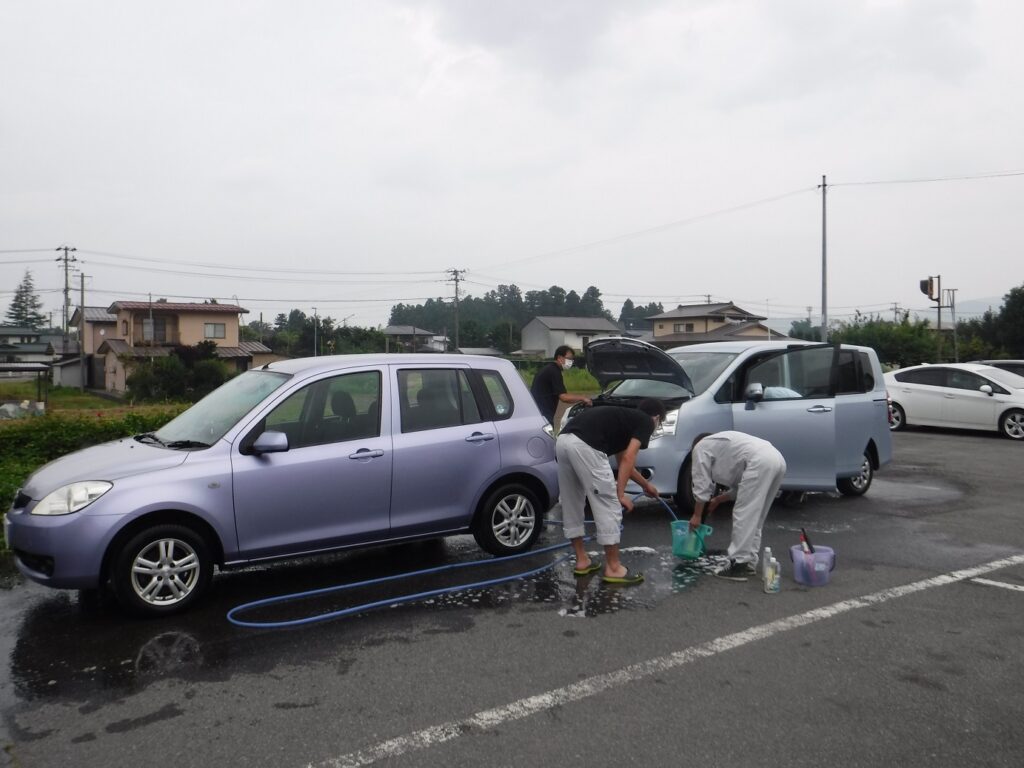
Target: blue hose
233	613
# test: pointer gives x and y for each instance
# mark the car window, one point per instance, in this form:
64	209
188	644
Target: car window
501	400
664	390
703	367
965	380
333	410
796	374
932	377
433	398
854	375
1006	378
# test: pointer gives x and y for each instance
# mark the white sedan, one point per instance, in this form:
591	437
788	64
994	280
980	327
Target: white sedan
958	395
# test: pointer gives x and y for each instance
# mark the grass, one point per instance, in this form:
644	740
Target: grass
56	398
578	381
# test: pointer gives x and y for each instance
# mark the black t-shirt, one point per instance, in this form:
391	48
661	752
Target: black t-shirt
609	428
547	386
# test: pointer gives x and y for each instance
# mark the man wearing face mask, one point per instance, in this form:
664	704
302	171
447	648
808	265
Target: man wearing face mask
548	389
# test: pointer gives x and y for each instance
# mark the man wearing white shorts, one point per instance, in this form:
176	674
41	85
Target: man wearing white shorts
584	474
752	469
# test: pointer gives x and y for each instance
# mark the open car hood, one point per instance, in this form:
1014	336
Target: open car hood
618	358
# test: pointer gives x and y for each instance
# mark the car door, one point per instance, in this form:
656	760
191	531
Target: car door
921	392
445	452
797	414
332	486
965	405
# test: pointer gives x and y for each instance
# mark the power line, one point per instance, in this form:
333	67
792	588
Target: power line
248	268
652	230
998	175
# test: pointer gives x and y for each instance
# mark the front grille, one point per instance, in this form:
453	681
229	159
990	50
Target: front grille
21	500
37	563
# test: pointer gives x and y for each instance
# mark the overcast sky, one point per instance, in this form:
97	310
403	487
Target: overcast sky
343	155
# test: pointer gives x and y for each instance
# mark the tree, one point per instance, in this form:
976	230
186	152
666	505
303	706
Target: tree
24	310
1010	324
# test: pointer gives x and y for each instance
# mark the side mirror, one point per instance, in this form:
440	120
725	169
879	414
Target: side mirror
754	393
987	389
271	442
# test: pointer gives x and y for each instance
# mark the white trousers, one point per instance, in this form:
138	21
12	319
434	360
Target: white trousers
584	474
754	496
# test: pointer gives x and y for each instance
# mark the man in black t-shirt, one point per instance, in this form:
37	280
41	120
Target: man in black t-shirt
584	474
548	388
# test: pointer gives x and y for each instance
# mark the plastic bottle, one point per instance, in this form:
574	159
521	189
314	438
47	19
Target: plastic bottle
764	562
773	583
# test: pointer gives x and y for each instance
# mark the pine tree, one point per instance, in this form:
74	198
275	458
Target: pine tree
24	310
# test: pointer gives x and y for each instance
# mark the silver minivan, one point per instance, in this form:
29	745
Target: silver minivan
824	406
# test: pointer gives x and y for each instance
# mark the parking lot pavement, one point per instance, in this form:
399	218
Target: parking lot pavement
911	653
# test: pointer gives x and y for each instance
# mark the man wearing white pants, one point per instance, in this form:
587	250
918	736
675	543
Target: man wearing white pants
752	469
584	474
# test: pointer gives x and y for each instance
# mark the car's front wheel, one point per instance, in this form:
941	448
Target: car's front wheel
858	484
509	520
161	570
899	418
1011	424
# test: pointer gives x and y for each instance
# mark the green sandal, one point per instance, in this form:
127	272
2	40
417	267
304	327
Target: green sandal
628	580
594	567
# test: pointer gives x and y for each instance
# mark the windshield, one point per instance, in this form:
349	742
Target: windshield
1006	378
663	390
206	422
703	367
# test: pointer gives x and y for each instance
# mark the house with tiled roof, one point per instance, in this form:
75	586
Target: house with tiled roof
697	323
129	332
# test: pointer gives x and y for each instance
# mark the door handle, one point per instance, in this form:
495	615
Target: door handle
366	453
819	409
950	397
479	437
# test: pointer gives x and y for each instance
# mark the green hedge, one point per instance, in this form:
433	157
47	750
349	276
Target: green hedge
27	444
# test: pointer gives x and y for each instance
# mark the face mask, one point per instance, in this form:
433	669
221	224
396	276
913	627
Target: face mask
567	364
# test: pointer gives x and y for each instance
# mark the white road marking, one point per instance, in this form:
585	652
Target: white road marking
516	710
1003	584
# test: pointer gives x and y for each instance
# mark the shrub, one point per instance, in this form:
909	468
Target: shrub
27	444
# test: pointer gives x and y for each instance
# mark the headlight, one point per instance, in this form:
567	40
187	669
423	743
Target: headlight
72	498
668	426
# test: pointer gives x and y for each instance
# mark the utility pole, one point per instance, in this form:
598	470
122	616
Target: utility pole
951	303
314	331
67	289
81	328
456	276
895	311
824	265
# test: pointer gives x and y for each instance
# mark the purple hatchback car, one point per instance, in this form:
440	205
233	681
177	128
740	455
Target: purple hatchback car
297	457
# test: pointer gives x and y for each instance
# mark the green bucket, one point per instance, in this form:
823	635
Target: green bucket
688	544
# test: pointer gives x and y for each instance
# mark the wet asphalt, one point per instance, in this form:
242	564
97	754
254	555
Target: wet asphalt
569	671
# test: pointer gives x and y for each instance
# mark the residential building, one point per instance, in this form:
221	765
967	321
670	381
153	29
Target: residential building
24	345
696	323
543	335
142	330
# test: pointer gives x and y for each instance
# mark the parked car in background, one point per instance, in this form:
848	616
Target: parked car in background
958	395
297	457
1013	366
823	406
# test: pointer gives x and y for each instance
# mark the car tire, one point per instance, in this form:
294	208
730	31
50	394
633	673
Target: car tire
509	521
1011	424
685	503
161	570
899	418
858	484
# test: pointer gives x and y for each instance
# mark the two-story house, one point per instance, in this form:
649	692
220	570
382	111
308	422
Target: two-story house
128	332
24	345
696	323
